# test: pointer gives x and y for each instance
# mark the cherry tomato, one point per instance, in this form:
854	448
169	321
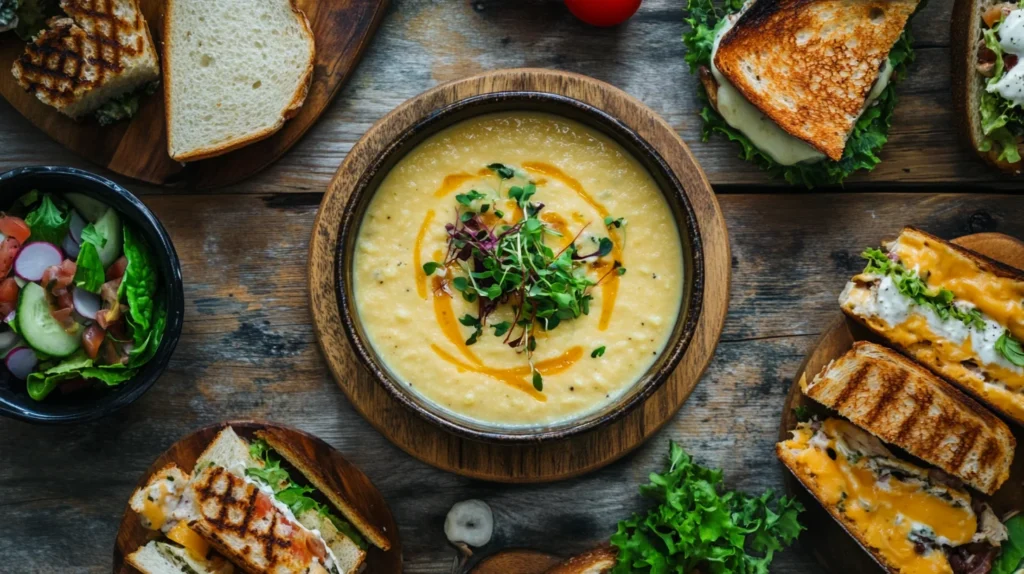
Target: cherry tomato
603	12
14	227
9	249
9	290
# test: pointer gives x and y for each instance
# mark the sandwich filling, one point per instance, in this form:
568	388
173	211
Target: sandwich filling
893	507
1002	101
947	313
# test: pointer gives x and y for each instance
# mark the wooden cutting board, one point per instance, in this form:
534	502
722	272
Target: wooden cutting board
138	148
346	478
836	550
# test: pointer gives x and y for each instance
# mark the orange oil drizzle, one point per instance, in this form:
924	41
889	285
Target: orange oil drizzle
445	315
452	182
559	224
516	376
610	287
417	262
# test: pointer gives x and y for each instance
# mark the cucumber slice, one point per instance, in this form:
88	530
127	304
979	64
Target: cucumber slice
35	324
92	209
109	226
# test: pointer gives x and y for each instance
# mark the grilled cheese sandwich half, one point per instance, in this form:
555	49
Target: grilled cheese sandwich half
794	76
894	509
956	312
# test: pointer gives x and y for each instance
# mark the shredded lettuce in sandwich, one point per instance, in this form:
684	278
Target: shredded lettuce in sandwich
1001	120
697	524
294	496
864	143
1011	555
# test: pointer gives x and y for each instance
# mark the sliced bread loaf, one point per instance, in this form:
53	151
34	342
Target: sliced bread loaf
234	72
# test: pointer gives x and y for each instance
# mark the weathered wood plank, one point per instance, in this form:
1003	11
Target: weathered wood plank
422	43
248	351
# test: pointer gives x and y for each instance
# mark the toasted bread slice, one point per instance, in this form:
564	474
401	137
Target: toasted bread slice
102	50
234	72
904	404
600	560
843	467
962	354
349	555
810	65
158	557
328	485
243	523
968	85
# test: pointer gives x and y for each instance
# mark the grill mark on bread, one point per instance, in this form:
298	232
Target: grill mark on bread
923	401
892	386
966	445
851	387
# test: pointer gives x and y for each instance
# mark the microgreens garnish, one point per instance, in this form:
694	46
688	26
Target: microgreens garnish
511	264
598	352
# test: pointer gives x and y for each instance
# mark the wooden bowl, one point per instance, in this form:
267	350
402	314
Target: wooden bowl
836	550
594	118
346	478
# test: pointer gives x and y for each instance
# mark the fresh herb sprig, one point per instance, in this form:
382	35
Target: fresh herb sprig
512	264
1010	348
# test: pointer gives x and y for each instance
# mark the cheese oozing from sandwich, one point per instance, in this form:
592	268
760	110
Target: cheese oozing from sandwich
891	506
964	353
1011	40
762	131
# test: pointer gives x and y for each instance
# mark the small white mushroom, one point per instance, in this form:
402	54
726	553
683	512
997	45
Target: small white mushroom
470	522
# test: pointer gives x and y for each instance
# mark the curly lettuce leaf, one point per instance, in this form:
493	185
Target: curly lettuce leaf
48	222
698	524
89	273
78	366
868	135
139	284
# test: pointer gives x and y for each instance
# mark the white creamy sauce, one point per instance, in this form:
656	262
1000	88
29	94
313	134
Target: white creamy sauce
1011	38
887	303
762	131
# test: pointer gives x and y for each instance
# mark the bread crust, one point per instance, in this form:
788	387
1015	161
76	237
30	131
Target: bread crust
290	110
986	264
965	33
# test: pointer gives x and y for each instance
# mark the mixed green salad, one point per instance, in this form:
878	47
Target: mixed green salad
698	526
865	142
1002	119
80	301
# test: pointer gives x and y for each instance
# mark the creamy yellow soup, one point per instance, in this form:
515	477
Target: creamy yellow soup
582	178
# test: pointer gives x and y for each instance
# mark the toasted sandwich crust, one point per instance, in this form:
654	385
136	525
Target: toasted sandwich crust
793	62
290	110
904	404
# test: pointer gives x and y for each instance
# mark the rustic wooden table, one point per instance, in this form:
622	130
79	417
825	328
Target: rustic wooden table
248	349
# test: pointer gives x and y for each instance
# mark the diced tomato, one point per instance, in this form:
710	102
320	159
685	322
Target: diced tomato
59	276
15	227
116	270
92	339
9	249
6	307
63	316
9	290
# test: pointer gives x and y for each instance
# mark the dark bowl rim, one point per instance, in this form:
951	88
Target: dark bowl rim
433	123
175	303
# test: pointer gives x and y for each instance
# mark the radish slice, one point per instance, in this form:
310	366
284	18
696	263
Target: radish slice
10	317
77	225
86	304
21	362
8	339
21	282
70	247
35	258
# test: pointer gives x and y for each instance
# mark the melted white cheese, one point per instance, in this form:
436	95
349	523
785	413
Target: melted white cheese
762	131
1011	38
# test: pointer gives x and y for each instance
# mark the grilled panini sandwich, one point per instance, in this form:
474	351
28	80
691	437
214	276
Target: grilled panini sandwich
903	515
954	311
906	405
100	51
794	76
240	506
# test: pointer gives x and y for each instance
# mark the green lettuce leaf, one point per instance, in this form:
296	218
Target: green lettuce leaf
78	366
141	354
139	285
48	222
697	524
89	273
1011	556
865	141
1001	120
91	235
292	495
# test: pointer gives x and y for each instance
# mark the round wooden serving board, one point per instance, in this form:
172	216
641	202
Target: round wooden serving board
837	551
138	148
516	463
346	478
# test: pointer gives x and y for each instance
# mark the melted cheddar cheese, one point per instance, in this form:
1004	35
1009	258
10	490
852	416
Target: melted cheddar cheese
882	513
1000	298
189	540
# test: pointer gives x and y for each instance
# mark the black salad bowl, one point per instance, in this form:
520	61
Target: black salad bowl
92	404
